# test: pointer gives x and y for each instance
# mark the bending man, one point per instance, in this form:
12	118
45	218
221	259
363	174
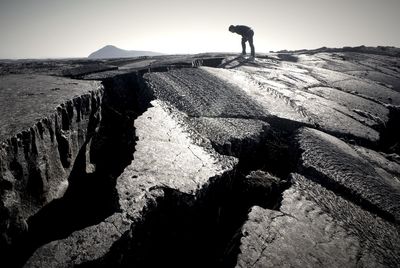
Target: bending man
247	35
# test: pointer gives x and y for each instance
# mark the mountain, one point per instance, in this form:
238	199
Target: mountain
115	52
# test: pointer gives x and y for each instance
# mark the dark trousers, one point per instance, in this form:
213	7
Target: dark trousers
248	37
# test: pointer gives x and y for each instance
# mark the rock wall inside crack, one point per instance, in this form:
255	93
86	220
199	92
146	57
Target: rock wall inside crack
316	227
48	120
165	156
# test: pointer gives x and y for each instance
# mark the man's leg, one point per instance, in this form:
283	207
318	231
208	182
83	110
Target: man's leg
253	53
244	46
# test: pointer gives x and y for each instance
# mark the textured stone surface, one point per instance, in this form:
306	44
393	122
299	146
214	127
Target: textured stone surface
80	246
315	227
199	94
231	136
340	166
47	121
288	90
165	156
27	99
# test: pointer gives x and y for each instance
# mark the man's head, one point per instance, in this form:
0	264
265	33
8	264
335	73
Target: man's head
232	28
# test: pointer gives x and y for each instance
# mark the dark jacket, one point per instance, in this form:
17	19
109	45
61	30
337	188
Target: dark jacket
243	30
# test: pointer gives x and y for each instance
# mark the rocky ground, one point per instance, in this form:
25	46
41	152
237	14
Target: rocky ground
209	160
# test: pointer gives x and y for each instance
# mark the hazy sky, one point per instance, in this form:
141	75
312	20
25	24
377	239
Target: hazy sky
75	28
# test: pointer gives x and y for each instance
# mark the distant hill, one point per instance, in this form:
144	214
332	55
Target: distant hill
109	51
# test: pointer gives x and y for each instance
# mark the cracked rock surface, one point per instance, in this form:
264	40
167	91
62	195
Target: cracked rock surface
164	156
316	227
339	166
209	160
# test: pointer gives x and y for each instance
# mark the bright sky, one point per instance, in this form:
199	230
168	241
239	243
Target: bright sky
75	28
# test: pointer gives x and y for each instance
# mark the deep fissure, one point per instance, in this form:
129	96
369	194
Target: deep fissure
91	196
183	230
196	231
390	133
204	230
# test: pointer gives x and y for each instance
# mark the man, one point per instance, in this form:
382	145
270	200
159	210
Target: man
247	35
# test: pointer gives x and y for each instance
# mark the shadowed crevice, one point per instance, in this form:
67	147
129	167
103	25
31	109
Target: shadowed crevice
91	195
204	229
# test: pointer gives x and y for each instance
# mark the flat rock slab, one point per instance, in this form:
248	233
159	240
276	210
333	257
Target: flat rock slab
88	69
362	87
166	156
384	164
29	98
337	165
317	228
270	99
230	136
375	113
200	94
387	80
286	91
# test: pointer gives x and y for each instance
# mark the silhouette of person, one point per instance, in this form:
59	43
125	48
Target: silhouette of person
247	35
